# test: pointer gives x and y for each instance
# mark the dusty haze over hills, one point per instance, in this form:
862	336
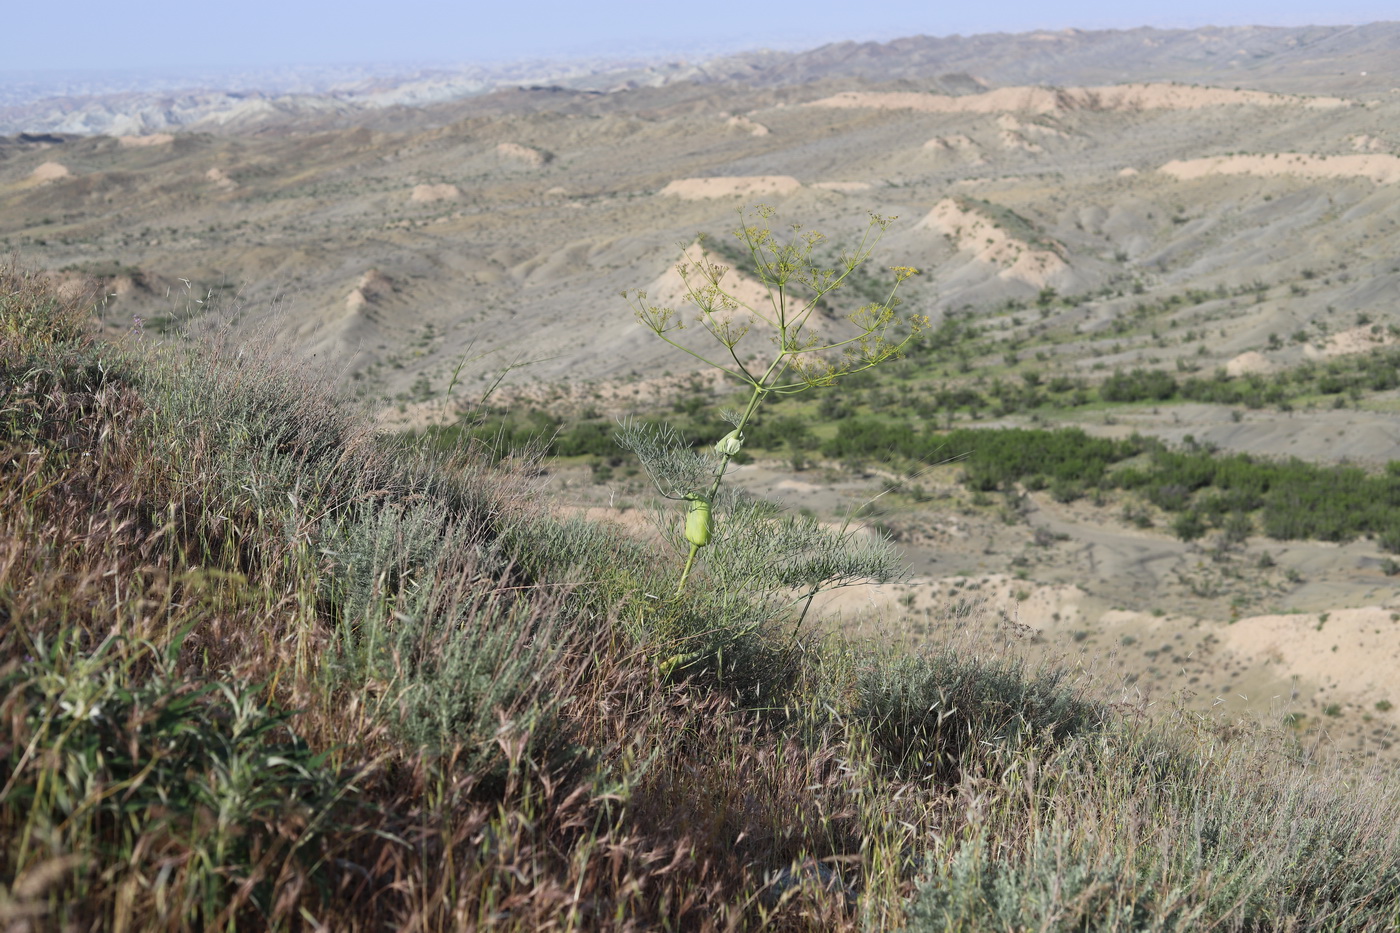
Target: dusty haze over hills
1309	59
395	223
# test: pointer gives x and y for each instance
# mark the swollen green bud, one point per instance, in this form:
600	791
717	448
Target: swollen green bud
698	522
730	444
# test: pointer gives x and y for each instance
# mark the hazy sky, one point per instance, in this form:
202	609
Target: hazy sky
162	34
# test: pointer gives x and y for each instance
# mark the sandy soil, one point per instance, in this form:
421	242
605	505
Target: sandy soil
1326	435
220	178
372	285
747	125
699	189
959	150
1086	583
1010	139
989	243
670	289
50	171
1364	142
427	194
142	142
1250	362
1122	97
1381	169
955	142
1351	653
848	187
1355	340
1012	124
525	155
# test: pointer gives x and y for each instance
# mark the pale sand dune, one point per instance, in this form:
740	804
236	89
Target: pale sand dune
1354	650
142	142
1033	100
1381	169
1348	654
669	289
842	185
699	189
1246	363
747	125
1363	143
430	193
1124	97
514	152
50	171
372	285
1355	340
220	178
974	233
1183	97
344	330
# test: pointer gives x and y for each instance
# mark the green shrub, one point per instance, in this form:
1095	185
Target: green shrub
138	762
1177	843
1138	386
939	715
423	606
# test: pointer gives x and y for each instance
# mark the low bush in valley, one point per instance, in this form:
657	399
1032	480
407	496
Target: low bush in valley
1292	499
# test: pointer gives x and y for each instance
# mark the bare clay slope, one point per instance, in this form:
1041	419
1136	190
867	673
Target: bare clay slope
517	230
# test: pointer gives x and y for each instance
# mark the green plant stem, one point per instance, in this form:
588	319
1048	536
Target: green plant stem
689	562
779	266
806	607
760	391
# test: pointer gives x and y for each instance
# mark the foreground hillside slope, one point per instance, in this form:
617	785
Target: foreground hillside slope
260	668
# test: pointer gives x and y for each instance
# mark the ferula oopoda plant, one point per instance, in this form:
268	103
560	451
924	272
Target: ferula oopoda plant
796	357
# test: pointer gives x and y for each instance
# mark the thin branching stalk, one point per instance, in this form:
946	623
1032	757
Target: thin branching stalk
795	283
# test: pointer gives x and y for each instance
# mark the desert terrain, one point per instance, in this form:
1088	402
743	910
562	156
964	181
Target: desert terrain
1234	210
